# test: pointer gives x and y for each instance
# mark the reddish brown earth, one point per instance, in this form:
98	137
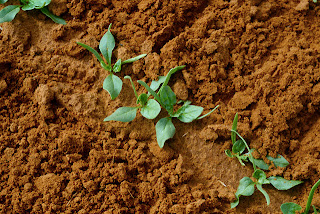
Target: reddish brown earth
258	58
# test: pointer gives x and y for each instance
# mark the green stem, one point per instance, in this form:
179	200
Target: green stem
134	88
251	156
313	189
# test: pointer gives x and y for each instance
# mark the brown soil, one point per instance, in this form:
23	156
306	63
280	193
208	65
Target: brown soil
258	58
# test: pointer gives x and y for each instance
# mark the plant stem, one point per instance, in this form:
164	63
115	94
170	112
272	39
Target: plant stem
313	189
251	156
134	88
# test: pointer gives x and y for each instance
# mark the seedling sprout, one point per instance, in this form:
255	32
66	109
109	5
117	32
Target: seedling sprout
112	84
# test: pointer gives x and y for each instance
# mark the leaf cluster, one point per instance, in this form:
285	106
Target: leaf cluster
247	185
8	13
112	83
164	97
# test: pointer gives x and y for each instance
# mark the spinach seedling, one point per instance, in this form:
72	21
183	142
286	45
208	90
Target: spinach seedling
112	84
247	185
8	13
239	147
150	108
291	208
167	99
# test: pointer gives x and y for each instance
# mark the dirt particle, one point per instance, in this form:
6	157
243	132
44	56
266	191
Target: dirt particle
303	5
49	183
3	86
181	90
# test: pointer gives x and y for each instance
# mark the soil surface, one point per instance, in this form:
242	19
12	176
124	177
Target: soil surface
258	58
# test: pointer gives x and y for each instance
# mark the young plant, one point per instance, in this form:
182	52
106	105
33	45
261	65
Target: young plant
165	98
291	208
112	84
149	108
247	185
8	13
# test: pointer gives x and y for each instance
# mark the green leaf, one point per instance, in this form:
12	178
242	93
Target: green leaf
238	147
168	98
261	164
3	1
234	127
156	84
290	208
278	161
28	7
151	110
259	187
133	59
282	184
54	18
142	99
40	3
117	66
181	109
245	188
123	114
8	13
164	130
260	176
190	113
315	211
113	85
95	53
154	94
106	46
228	153
168	76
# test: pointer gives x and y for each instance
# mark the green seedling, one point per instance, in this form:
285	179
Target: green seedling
8	13
247	185
291	208
239	147
112	84
164	97
149	108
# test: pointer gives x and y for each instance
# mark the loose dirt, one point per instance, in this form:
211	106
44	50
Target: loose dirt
258	58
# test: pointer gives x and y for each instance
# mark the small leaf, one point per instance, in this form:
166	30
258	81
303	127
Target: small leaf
260	176
154	94
113	85
117	66
282	184
164	130
106	46
3	1
54	18
142	99
40	3
245	188
259	187
95	53
290	208
156	84
228	153
182	108
278	161
190	113
234	127
8	13
261	164
133	59
238	147
168	76
168	98
123	114
151	110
